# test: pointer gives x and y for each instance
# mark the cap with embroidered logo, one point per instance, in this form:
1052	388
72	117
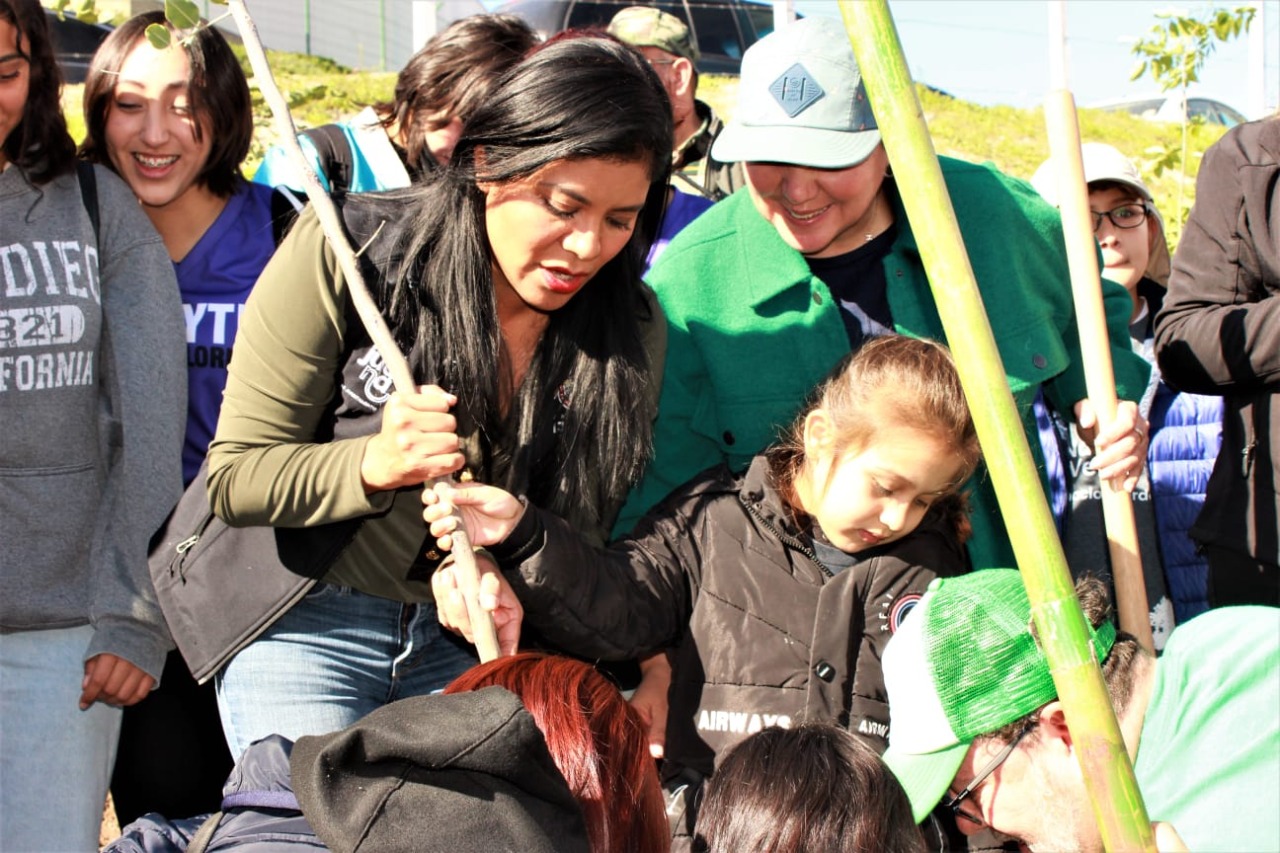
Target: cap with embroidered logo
645	26
800	101
962	665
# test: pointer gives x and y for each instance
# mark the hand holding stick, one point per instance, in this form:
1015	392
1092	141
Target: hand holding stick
464	558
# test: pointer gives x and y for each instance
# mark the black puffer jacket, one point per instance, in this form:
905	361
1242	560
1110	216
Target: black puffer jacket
763	632
1219	332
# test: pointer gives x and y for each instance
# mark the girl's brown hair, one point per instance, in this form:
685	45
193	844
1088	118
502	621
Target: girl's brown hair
813	787
891	382
452	76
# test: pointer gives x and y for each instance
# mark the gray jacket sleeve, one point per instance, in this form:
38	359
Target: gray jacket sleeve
143	382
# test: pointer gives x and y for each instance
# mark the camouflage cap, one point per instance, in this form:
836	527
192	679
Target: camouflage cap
645	26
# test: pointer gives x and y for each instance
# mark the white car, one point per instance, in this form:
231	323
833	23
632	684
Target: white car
1168	107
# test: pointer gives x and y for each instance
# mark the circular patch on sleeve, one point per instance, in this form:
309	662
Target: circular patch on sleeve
900	608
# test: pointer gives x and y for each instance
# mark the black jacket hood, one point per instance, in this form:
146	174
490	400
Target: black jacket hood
463	772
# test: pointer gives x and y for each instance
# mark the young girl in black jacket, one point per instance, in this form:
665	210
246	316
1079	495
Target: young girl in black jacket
776	588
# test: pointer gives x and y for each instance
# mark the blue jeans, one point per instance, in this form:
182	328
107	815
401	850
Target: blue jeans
55	759
331	659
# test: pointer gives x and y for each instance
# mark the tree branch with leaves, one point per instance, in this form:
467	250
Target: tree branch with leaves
1175	52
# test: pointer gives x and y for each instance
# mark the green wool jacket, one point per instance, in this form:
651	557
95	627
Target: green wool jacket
751	330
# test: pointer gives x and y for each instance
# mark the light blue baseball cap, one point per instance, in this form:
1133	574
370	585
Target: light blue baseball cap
800	101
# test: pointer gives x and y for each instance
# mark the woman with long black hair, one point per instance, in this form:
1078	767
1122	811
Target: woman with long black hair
512	281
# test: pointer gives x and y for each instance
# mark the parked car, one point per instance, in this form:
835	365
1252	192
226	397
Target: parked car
74	42
1169	108
723	29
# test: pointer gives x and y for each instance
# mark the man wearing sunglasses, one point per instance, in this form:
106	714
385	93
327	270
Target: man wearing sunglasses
976	725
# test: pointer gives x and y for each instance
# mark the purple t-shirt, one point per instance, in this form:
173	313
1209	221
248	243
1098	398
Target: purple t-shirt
683	209
215	279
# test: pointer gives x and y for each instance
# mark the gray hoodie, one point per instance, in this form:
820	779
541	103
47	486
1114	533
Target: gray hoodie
92	412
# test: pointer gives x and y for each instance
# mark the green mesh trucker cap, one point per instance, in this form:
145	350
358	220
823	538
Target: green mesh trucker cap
963	664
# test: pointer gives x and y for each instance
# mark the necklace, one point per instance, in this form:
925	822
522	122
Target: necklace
876	229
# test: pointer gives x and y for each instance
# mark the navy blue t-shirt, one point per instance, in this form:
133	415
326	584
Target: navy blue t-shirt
857	282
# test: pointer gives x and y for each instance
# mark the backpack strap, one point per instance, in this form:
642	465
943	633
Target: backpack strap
283	800
200	841
89	196
335	155
285	207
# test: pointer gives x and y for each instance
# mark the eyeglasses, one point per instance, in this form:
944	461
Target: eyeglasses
1001	757
1124	216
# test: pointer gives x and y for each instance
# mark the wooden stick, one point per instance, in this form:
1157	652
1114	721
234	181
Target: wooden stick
1077	226
486	637
1064	634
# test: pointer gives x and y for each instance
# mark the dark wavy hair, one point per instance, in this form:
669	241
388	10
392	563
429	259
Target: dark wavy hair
451	76
582	414
809	788
597	740
217	89
39	145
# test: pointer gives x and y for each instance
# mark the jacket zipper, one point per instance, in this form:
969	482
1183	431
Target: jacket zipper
787	539
1246	456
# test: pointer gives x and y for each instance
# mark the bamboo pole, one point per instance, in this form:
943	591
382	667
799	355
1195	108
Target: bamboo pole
1063	631
1063	128
464	558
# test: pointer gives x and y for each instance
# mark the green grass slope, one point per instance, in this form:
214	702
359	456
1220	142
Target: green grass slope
319	90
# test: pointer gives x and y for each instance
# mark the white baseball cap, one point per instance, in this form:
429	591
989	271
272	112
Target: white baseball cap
800	101
1104	162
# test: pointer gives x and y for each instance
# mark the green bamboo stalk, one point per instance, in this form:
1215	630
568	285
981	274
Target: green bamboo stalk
1104	762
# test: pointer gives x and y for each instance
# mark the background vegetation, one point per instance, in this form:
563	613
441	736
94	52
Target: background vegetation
319	91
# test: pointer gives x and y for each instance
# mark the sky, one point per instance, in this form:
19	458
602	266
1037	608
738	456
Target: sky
996	51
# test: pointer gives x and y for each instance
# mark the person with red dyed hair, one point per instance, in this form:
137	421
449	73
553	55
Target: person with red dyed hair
596	738
532	752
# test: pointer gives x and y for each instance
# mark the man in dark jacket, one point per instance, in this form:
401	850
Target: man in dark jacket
1219	333
666	42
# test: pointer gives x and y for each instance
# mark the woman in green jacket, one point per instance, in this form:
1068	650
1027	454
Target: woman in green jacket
767	290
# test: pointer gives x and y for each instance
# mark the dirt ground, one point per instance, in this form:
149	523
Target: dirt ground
110	826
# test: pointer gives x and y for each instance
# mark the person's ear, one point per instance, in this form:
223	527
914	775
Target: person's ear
682	73
1053	725
477	158
819	433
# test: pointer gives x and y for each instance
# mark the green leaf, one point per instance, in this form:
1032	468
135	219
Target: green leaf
182	14
1139	68
158	35
87	12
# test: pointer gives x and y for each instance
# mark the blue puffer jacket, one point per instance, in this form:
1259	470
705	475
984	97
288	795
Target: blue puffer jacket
263	771
1186	433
